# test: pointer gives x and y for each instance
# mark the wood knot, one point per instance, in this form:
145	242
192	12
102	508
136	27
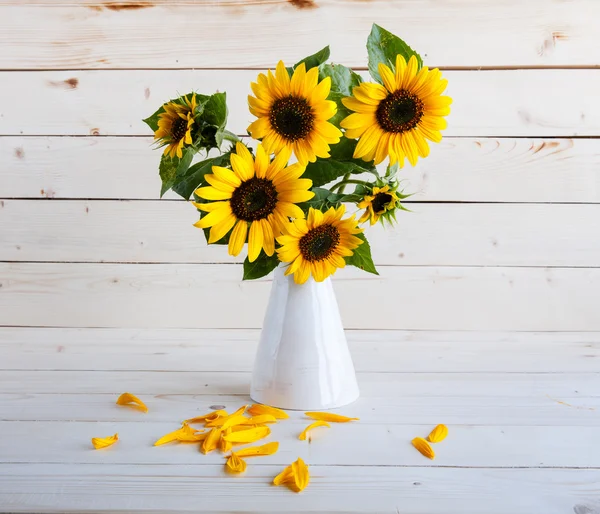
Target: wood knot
303	4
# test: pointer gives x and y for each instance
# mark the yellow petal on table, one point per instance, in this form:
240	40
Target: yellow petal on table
211	416
285	477
328	416
261	419
438	434
258	451
248	436
184	432
132	401
234	464
104	442
224	445
221	421
316	424
212	441
258	409
184	437
301	474
424	447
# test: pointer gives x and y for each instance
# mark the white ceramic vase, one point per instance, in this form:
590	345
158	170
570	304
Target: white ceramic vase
303	361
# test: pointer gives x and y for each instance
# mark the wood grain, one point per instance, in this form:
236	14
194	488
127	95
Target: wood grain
134	34
234	349
486	103
458	169
339	489
212	296
159	231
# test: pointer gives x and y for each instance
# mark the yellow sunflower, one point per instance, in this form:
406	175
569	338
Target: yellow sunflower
293	113
381	200
396	119
175	125
317	245
255	199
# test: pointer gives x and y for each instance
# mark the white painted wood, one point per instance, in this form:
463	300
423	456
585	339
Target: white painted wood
161	231
213	296
486	103
458	169
233	350
483	33
65	442
333	489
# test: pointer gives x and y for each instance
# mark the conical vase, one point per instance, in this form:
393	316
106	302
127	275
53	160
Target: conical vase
303	361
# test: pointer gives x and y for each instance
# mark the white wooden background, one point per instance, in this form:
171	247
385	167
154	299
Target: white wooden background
486	315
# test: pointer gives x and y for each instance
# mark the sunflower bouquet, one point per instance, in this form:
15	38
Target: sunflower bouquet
321	132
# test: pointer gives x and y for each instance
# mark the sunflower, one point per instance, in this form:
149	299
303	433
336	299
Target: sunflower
380	201
398	117
293	113
255	199
317	245
175	125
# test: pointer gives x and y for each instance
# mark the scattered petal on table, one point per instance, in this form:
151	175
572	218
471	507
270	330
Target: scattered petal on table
316	424
225	445
211	416
235	465
257	451
328	416
185	434
227	421
438	434
424	447
261	419
285	477
248	436
132	401
104	442
212	440
301	474
258	409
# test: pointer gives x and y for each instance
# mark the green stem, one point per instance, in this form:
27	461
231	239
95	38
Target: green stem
230	136
342	184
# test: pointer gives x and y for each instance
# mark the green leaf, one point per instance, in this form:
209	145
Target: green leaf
152	121
341	162
215	110
185	184
383	47
170	168
312	60
261	267
343	79
362	257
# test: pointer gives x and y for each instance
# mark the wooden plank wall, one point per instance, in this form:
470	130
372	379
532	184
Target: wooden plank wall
505	229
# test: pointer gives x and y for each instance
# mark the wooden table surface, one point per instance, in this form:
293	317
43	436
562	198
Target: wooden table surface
523	411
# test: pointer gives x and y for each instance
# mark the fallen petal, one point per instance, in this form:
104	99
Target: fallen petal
316	424
258	409
182	434
225	445
248	436
301	474
286	476
211	416
328	416
438	434
228	421
192	438
132	401
261	419
104	442
257	451
235	465
424	447
212	441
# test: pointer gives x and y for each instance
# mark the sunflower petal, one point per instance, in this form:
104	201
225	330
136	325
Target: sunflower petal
438	434
260	419
238	238
212	441
301	474
104	442
258	409
285	477
207	417
424	447
255	240
234	464
328	416
316	424
259	451
129	399
248	436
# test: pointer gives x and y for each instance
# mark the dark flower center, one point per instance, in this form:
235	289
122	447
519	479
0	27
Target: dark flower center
380	202
254	199
292	117
318	243
179	129
399	112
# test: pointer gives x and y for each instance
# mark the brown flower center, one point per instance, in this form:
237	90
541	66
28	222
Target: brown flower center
254	199
179	129
400	111
292	117
380	202
318	244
